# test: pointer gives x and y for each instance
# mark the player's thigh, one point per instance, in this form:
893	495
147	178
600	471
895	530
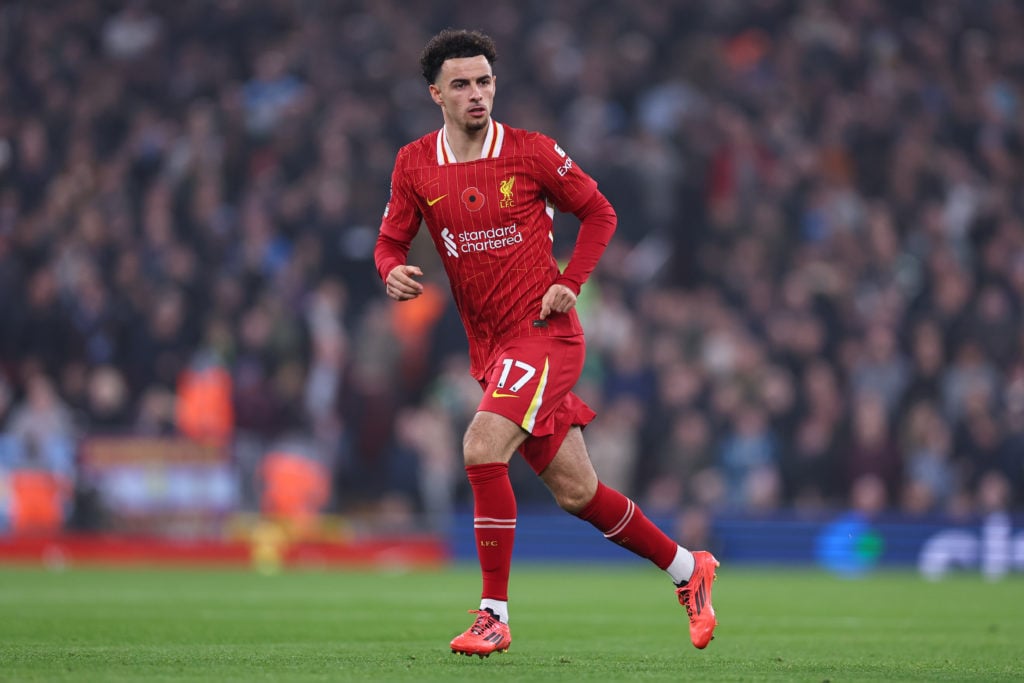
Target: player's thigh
491	438
570	476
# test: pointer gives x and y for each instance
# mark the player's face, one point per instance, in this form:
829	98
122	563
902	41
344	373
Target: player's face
465	92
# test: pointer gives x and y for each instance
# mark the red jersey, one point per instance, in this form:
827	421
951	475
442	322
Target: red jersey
491	222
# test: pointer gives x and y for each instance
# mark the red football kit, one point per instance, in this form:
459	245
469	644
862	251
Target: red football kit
491	222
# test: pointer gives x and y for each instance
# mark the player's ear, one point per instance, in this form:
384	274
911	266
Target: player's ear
435	94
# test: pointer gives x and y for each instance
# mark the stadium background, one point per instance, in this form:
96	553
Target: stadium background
805	342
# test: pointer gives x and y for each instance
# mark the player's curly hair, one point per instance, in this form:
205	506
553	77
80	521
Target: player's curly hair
455	43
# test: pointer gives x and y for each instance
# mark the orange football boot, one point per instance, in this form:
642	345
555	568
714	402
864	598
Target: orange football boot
487	634
695	596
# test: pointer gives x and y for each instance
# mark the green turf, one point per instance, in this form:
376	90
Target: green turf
569	624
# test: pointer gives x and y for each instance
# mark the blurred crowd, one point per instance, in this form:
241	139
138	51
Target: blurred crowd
813	300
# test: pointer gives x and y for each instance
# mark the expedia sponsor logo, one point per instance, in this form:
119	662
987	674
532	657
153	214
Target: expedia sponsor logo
474	241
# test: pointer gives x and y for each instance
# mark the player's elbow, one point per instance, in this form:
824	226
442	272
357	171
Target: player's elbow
599	207
610	218
598	215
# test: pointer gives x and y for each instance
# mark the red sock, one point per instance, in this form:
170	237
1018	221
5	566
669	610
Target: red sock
622	521
494	525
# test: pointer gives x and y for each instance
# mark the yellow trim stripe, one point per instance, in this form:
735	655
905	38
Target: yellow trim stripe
538	398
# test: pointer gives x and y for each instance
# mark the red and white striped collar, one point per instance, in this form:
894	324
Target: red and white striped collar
491	149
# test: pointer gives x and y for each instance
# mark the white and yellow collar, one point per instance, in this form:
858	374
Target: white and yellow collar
491	148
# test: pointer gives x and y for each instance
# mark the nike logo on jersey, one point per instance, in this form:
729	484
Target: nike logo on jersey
495	394
431	202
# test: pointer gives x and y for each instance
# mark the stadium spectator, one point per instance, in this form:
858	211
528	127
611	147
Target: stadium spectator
749	461
810	467
107	408
872	450
927	446
423	461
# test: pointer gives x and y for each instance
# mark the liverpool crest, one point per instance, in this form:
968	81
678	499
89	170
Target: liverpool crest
506	192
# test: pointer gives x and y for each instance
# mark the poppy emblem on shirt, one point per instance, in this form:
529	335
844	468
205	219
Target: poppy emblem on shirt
473	199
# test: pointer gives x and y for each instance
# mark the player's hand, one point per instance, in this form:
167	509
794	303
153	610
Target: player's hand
400	283
558	299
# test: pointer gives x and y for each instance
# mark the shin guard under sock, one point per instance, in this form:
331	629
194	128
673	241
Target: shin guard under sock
622	521
494	525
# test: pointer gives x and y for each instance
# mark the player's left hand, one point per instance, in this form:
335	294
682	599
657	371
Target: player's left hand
558	299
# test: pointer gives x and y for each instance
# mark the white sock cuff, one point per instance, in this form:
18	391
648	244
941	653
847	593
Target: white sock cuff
499	607
681	568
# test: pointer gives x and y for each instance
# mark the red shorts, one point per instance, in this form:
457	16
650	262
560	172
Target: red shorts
530	382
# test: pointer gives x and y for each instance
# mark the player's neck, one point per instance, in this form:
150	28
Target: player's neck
466	145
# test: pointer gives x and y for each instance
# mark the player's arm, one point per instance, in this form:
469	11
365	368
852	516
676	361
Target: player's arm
597	225
398	227
572	190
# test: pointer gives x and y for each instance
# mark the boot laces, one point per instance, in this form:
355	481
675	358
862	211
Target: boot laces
484	621
685	595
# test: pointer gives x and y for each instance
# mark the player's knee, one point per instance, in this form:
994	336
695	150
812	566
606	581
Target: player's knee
573	498
478	451
489	439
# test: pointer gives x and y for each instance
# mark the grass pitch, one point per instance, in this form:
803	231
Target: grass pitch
568	624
